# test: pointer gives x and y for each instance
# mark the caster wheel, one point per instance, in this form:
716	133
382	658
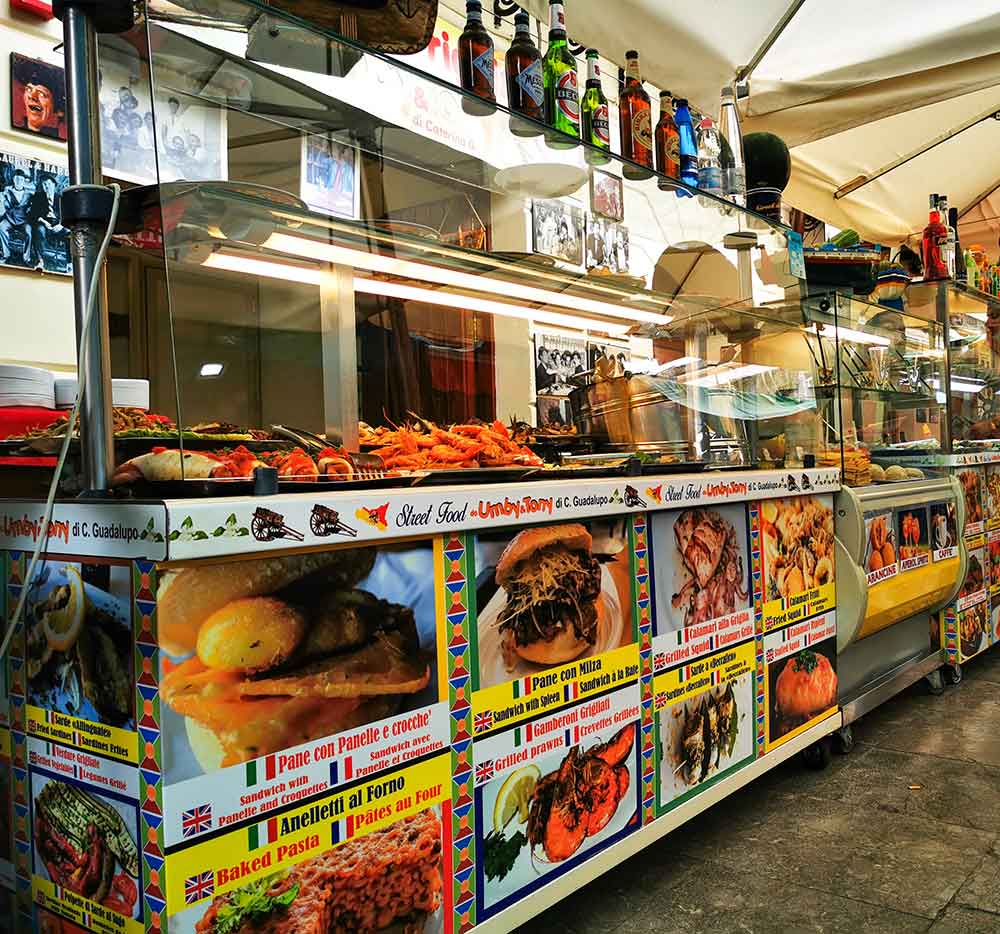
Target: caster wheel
843	740
935	683
952	674
817	756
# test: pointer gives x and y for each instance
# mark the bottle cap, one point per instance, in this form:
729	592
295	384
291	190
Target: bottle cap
631	54
521	18
727	91
473	6
682	102
593	53
664	95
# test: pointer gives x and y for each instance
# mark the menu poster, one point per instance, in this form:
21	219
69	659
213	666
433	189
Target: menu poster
973	590
553	792
85	838
993	548
994	622
79	651
797	544
944	531
6	813
992	494
705	721
554	621
971	480
367	857
285	677
973	631
702	593
800	677
881	555
913	537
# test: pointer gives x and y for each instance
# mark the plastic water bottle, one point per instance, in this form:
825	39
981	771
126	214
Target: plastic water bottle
710	159
688	148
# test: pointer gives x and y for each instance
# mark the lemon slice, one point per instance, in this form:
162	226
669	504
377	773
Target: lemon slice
515	796
62	626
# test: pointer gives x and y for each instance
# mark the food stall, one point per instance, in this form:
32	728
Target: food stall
391	617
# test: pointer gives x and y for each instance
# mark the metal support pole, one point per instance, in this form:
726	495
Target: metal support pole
83	109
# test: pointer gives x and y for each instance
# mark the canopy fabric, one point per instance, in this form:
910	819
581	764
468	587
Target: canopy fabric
850	86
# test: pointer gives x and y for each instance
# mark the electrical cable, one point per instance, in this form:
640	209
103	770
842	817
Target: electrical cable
70	424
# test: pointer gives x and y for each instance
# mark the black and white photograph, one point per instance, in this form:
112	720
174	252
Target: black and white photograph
607	245
31	232
607	196
329	176
190	139
37	97
557	359
553	412
558	230
613	356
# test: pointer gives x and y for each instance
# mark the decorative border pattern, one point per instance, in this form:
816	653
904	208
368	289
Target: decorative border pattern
17	567
147	704
757	579
456	572
642	614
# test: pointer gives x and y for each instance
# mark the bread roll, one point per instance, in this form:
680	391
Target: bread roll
574	536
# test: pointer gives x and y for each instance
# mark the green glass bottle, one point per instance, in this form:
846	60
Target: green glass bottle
562	97
594	113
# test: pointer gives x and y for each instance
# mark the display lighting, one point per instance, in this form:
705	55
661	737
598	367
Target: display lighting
836	332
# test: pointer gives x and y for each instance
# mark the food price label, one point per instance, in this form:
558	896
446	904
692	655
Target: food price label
686	681
100	738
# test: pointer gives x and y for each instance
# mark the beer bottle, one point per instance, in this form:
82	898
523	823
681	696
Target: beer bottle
525	86
636	121
668	143
562	99
594	113
475	60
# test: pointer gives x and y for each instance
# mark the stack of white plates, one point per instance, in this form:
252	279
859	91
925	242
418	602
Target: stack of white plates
26	385
125	393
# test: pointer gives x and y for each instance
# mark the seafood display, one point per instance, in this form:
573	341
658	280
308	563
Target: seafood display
798	545
138	423
279	651
881	547
971	481
708	730
428	447
79	649
85	846
390	879
805	687
578	799
712	559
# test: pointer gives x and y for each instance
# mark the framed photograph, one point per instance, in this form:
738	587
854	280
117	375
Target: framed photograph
31	232
329	176
607	245
557	231
553	411
37	97
191	138
557	358
613	353
607	195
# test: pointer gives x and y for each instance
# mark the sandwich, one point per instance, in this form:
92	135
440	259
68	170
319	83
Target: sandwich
283	650
552	581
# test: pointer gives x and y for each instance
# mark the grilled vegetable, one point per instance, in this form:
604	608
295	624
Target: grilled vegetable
70	811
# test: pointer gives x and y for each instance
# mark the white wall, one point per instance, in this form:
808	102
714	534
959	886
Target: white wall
36	309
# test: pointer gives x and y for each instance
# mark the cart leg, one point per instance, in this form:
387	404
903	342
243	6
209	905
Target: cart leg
817	756
952	674
935	683
843	740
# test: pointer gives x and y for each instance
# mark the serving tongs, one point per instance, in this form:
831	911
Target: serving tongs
366	466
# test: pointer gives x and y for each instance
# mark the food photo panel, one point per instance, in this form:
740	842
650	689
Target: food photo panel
914	536
303	671
554	618
971	480
944	531
79	648
553	792
881	547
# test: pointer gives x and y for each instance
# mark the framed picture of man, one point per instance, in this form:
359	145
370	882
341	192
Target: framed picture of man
607	245
37	97
31	232
329	176
558	230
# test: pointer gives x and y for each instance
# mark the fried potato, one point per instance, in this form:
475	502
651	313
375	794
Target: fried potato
250	635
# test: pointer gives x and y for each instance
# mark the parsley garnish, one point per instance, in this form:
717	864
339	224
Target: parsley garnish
251	903
501	853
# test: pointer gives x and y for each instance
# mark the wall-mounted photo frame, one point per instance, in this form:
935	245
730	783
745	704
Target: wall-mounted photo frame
607	245
31	232
37	97
558	231
607	195
329	176
558	358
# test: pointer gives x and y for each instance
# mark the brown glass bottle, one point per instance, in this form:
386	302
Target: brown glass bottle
525	85
635	113
668	143
476	63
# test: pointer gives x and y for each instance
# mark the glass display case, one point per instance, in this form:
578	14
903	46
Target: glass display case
333	244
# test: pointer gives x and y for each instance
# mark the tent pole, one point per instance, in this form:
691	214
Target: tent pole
848	187
744	73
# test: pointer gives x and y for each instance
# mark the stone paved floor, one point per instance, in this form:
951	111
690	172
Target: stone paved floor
900	836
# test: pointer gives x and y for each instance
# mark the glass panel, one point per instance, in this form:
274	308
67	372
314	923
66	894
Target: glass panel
356	248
